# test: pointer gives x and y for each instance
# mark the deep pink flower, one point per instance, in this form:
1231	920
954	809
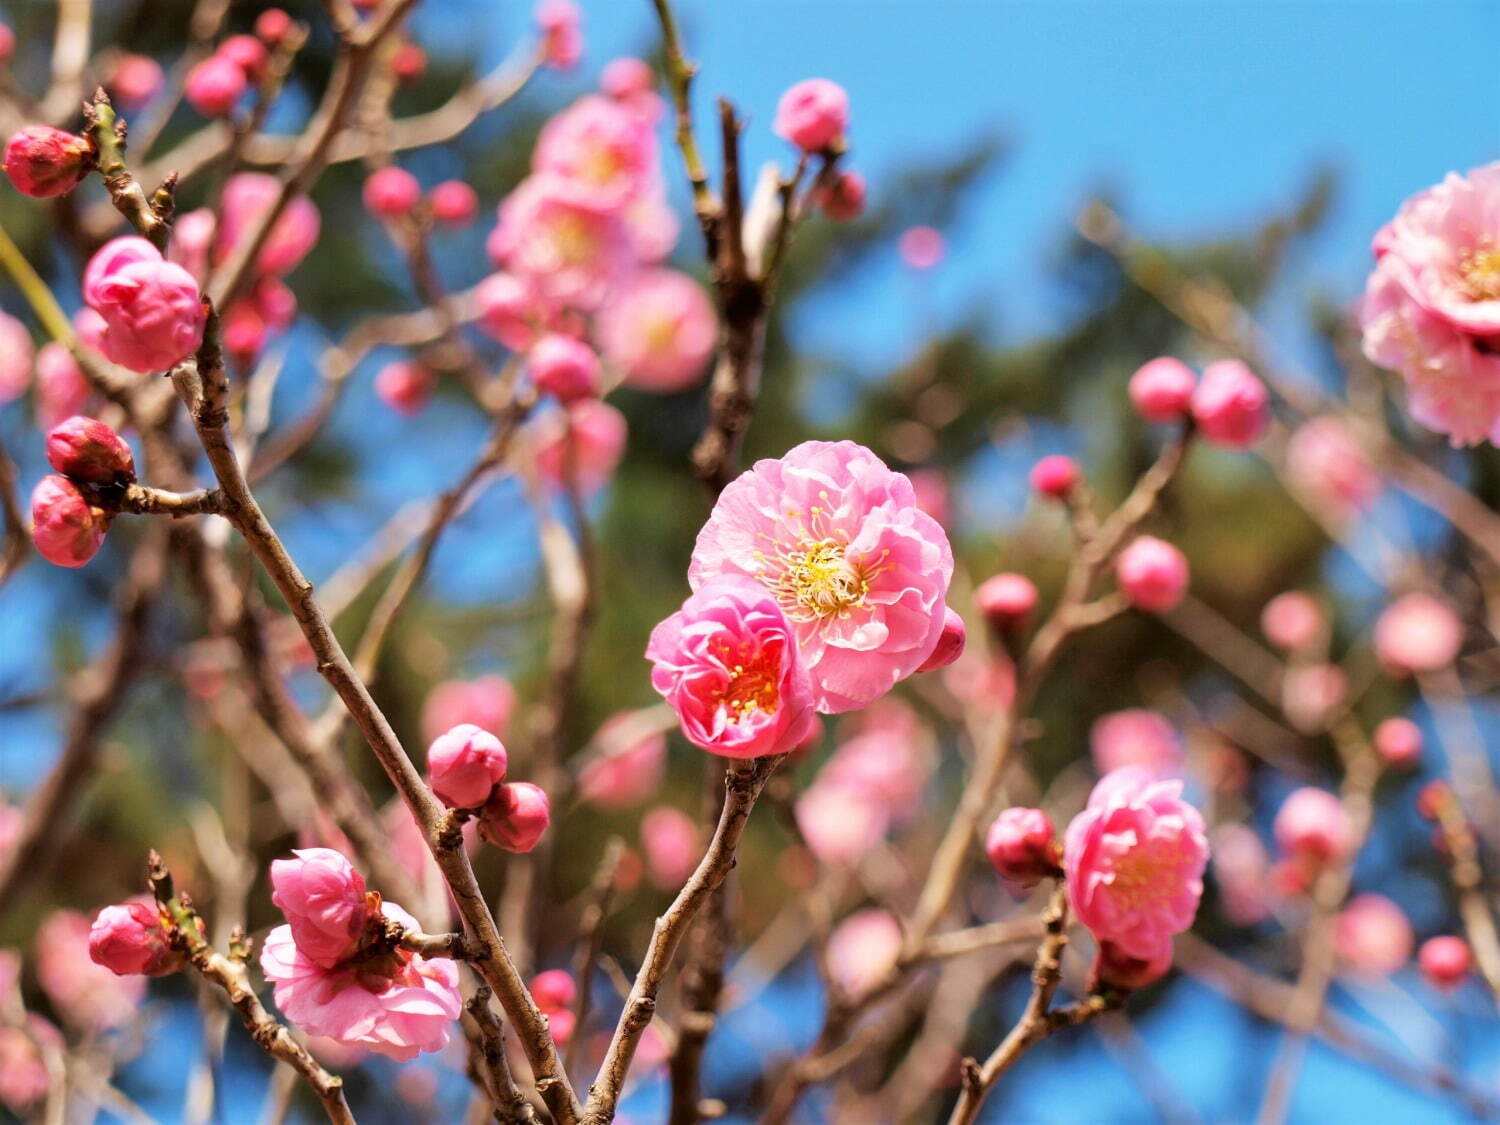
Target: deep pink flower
554	234
600	146
464	765
134	81
813	114
671	843
408	62
192	242
454	203
1417	633
862	949
1445	961
87	449
1161	390
516	816
1293	621
1313	825
1135	737
729	665
1055	476
950	644
860	571
153	313
844	199
511	310
554	990
324	900
215	85
405	386
1152	574
629	764
128	939
1115	968
1399	741
564	367
43	162
247	197
487	702
1022	845
562	36
62	389
581	444
15	358
272	26
1372	936
85	994
401	1008
391	192
659	330
1134	859
1006	600
922	248
1230	405
66	528
1326	463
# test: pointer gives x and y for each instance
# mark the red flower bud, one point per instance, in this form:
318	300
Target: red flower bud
87	449
43	162
66	528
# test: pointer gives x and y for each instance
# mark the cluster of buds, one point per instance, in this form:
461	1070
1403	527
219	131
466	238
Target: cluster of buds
466	768
72	508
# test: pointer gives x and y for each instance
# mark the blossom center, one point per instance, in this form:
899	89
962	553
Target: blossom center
1481	274
820	582
574	240
752	684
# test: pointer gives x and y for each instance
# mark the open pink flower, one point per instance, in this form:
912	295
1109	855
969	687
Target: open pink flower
555	235
1372	936
812	114
1417	633
128	939
602	147
1135	737
862	949
1326	463
858	568
581	444
629	766
324	901
488	702
659	330
728	663
153	314
672	844
399	1006
512	311
247	197
1134	859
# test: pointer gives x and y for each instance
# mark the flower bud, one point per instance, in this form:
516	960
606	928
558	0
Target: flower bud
1114	968
465	765
43	162
1162	389
404	386
66	528
1231	405
1293	621
554	990
128	940
391	192
813	114
950	645
1006	600
1445	961
1417	633
1055	476
1371	935
921	248
454	203
87	449
510	310
1022	845
564	367
562	37
516	816
214	86
1398	741
272	26
621	79
562	1024
1152	574
1312	824
408	63
246	52
135	80
844	199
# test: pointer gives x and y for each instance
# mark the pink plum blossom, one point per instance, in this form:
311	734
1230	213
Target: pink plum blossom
1417	633
87	449
862	949
843	200
1230	405
1161	390
1134	860
839	823
1294	621
325	903
562	36
1006	600
487	702
128	939
601	147
1240	867
859	570
66	527
1135	737
729	664
1022	845
1152	574
511	310
1055	476
134	81
629	766
554	990
580	445
922	248
44	162
247	198
454	203
1311	693
24	1078
1372	936
1445	961
564	367
1313	825
1326	463
153	313
659	330
516	816
61	388
1399	741
671	844
391	192
555	235
15	358
632	83
464	765
812	114
950	644
215	85
405	386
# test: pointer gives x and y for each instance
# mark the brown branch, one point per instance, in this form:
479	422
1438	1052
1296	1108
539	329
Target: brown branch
591	939
1468	880
486	1036
141	500
17	539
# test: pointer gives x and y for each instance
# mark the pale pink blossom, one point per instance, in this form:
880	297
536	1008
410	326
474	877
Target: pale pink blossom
1399	741
24	1078
405	386
134	81
1230	405
1241	869
1135	737
858	568
1294	621
601	147
652	227
729	664
1022	845
247	198
400	1006
192	242
512	311
153	313
15	358
562	36
1417	633
671	843
66	527
87	449
950	644
86	995
888	758
841	825
487	702
325	903
128	939
629	765
1326	463
632	83
1055	476
659	330
516	817
391	192
1445	961
812	114
862	949
1311	693
922	248
554	235
1313	825
580	445
44	162
215	85
1006	600
564	367
1161	390
1134	860
62	390
464	766
1371	935
1152	574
